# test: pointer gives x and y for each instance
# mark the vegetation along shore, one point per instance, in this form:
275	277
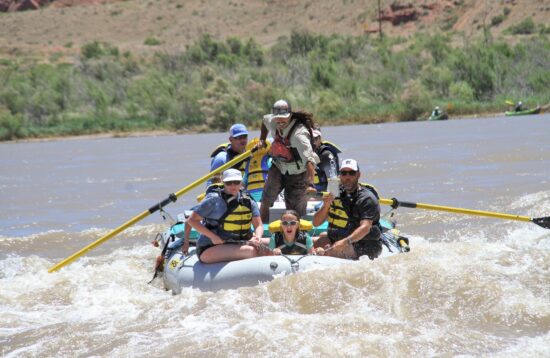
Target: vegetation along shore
212	83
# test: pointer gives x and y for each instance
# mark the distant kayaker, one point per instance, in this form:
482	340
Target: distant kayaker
290	240
328	160
293	157
238	139
519	107
224	219
353	217
436	112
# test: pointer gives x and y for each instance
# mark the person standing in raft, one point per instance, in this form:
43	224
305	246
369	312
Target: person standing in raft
353	217
294	160
290	240
224	219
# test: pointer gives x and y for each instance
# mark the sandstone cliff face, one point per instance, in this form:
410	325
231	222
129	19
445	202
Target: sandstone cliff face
22	5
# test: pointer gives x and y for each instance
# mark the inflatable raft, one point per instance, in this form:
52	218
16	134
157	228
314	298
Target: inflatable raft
179	271
187	271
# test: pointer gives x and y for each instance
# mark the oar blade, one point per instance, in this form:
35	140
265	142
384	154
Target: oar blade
543	222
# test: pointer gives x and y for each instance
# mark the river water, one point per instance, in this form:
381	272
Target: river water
470	286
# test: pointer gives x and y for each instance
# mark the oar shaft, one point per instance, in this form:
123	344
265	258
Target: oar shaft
98	242
168	200
396	203
220	169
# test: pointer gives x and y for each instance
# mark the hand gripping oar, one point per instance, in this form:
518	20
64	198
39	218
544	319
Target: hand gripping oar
171	198
394	203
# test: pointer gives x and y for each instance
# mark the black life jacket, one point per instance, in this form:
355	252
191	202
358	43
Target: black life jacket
299	246
341	223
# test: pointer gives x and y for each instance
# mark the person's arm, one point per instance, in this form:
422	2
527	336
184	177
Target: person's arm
195	222
322	214
186	236
258	227
263	131
364	228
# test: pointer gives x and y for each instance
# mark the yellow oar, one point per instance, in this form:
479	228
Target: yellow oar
394	203
510	103
172	197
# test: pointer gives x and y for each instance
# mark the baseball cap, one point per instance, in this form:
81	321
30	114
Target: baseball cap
281	109
232	175
349	164
237	130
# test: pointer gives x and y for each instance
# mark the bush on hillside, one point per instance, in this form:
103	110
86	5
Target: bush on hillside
416	101
525	27
461	91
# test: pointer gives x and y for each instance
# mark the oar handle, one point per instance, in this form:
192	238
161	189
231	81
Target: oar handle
394	203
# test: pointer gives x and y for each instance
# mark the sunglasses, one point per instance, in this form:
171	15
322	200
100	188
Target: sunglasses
289	223
232	182
280	110
348	172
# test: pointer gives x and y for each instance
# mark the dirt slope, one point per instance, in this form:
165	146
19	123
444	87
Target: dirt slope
65	25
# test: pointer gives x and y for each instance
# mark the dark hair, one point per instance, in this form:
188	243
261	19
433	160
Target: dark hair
306	118
293	213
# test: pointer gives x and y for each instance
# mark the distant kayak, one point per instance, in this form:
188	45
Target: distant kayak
535	110
439	117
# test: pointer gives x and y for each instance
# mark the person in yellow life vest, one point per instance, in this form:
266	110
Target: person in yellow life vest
238	139
224	220
353	217
328	161
293	157
256	169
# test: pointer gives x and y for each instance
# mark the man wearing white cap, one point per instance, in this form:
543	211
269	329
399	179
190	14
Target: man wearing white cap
294	160
224	219
353	217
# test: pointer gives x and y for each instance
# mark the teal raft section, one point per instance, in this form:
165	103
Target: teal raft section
177	230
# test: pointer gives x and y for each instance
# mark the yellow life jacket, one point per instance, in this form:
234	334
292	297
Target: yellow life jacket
339	221
275	226
257	167
230	155
237	220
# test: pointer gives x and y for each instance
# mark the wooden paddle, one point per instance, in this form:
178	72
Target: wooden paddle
171	198
394	203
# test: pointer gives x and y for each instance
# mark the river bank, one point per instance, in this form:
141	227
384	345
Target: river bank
161	132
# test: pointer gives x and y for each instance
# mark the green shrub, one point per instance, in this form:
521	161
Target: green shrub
11	127
461	91
151	41
525	27
416	101
97	49
438	80
497	20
